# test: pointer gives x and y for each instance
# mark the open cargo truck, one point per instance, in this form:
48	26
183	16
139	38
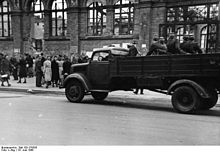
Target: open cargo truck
192	80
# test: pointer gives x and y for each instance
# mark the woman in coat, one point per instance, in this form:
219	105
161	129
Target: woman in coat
47	71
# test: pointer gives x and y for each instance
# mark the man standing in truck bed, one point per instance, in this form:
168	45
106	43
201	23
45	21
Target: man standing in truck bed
132	50
157	47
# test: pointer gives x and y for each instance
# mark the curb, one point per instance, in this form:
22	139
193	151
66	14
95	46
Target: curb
32	91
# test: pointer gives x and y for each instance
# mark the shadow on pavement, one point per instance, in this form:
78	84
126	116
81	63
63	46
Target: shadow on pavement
147	106
137	105
211	112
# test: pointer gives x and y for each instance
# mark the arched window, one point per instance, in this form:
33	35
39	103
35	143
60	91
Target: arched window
124	18
5	19
59	18
37	8
203	37
96	18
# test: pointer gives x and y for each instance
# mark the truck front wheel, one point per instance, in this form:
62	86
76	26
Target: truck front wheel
99	96
74	91
185	99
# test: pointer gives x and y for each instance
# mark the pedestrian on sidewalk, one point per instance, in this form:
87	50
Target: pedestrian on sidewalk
66	67
22	69
47	71
38	71
60	63
55	71
4	69
30	63
14	64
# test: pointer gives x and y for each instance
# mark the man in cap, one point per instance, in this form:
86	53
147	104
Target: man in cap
158	47
194	46
185	45
132	50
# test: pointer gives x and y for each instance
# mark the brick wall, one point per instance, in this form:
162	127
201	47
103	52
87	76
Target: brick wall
57	47
148	16
6	47
158	17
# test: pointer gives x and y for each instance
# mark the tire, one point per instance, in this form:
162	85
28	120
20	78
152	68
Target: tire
210	102
185	100
74	91
99	96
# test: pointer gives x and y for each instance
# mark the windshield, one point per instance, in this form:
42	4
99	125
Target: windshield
100	56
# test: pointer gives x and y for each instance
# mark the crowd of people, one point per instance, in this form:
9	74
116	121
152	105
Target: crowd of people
49	70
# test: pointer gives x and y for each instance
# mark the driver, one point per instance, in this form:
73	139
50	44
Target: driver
100	58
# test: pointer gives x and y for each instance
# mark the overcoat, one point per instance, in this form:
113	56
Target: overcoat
47	70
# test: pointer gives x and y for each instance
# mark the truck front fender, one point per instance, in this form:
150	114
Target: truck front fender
199	89
79	77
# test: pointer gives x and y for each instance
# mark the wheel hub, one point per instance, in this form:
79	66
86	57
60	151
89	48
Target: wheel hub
74	91
186	100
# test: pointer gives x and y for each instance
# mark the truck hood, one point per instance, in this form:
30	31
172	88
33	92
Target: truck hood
80	64
82	68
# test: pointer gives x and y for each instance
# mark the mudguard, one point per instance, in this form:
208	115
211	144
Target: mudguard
80	77
199	89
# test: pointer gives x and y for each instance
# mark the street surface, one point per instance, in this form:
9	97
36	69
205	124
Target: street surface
121	120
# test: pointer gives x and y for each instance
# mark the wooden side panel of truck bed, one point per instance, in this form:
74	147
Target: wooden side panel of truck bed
167	66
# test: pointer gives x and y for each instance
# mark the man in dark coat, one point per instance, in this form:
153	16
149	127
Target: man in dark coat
194	46
42	59
30	63
55	71
14	64
157	48
22	69
185	45
66	67
38	71
173	46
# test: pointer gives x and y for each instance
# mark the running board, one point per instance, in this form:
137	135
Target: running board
99	91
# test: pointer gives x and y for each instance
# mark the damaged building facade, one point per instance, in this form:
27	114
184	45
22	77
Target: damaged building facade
75	26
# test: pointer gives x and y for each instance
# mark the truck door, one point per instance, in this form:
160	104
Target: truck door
99	70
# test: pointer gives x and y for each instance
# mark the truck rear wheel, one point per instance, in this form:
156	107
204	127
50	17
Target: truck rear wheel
210	102
185	100
99	96
75	91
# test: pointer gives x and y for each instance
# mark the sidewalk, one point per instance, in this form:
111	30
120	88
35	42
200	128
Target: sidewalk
30	87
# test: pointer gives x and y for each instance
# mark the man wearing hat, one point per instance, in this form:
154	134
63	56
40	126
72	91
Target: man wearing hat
194	47
132	50
158	47
185	45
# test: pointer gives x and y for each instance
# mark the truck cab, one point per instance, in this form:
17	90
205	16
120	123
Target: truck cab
93	77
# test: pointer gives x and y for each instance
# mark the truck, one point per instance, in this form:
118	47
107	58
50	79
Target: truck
193	81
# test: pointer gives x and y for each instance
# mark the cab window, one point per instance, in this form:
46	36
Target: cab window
100	56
